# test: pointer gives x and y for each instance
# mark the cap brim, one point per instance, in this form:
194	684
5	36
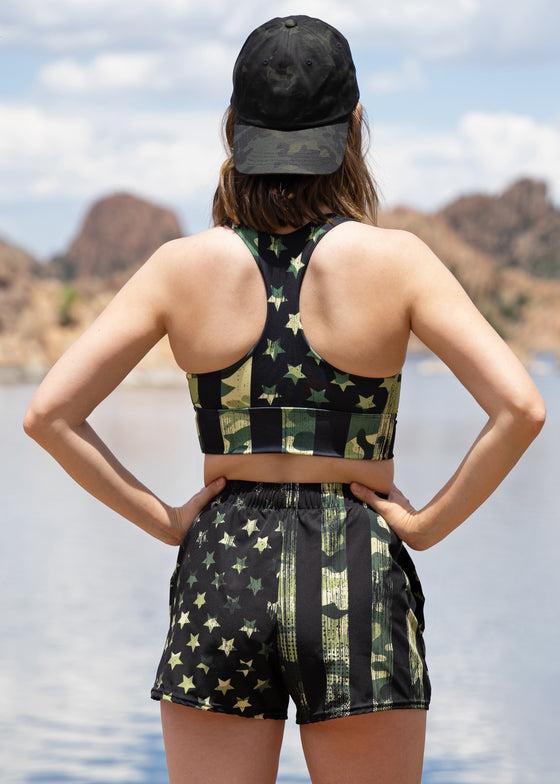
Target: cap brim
309	151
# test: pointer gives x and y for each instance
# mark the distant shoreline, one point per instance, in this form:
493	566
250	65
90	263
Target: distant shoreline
139	377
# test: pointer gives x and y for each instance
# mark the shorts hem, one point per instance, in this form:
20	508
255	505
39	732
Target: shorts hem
160	696
327	716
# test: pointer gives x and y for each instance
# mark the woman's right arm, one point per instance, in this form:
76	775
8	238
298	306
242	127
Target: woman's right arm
447	322
91	368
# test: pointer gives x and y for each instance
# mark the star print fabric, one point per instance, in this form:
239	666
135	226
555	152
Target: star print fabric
294	591
283	396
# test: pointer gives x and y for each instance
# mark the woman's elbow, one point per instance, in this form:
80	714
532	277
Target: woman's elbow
531	416
32	422
38	423
537	415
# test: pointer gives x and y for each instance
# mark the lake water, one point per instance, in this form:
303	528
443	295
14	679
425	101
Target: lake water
83	599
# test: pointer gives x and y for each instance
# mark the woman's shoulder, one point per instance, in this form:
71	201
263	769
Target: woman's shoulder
193	251
365	246
378	236
209	239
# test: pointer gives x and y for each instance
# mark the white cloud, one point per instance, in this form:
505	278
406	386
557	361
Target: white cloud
204	66
430	28
50	157
500	143
427	168
176	155
80	26
109	108
32	145
408	76
61	156
507	31
106	73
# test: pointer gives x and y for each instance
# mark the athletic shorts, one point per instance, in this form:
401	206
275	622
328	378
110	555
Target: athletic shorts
293	590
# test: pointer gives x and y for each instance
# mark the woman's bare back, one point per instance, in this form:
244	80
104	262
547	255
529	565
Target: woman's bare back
353	314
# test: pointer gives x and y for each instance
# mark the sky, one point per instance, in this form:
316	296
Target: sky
104	96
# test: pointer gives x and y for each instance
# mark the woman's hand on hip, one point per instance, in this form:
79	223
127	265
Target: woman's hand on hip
182	517
398	513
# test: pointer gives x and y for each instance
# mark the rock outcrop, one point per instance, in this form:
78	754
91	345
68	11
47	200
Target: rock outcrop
519	228
504	250
475	269
119	233
17	271
44	307
523	308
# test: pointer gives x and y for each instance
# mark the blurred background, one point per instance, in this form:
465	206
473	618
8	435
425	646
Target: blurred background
98	96
110	145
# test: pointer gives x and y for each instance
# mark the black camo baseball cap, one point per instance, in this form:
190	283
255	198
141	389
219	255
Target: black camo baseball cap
294	87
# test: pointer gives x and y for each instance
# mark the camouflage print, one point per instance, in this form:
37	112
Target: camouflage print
336	651
293	590
282	396
294	87
236	432
310	151
382	643
287	611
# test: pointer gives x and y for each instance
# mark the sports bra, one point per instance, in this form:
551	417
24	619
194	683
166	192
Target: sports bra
282	396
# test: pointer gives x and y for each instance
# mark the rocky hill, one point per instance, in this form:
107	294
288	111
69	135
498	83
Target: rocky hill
504	249
520	228
17	270
118	233
44	307
523	307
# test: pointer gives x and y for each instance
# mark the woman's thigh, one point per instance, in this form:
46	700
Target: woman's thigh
204	747
382	748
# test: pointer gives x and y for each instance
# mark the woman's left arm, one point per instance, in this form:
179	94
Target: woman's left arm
91	368
445	319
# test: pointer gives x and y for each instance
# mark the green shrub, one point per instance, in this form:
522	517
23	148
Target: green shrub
68	297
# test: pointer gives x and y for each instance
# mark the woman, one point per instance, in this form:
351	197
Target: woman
292	577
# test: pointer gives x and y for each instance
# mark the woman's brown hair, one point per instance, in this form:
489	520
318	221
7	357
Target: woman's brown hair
269	202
